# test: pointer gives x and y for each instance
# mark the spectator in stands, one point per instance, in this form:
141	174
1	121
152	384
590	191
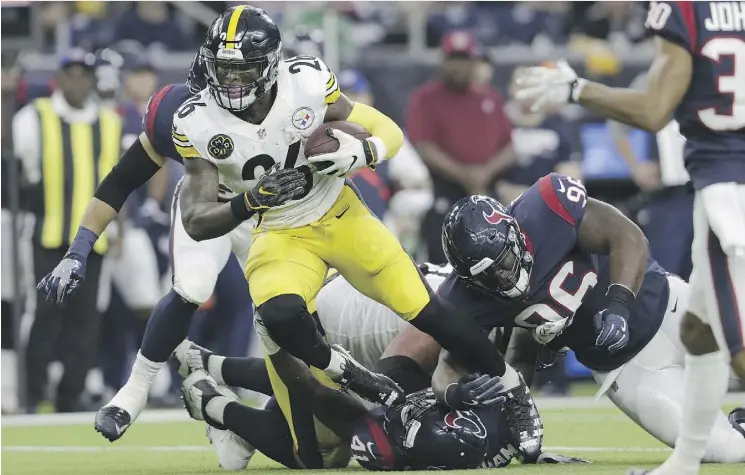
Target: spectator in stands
150	23
460	132
89	26
398	191
544	143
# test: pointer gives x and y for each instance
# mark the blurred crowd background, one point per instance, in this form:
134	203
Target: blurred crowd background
442	70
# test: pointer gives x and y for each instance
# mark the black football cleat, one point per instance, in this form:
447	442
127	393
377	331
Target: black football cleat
197	390
111	422
638	471
526	426
374	387
737	419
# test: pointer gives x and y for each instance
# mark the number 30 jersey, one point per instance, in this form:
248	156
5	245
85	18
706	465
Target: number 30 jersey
712	112
567	284
243	152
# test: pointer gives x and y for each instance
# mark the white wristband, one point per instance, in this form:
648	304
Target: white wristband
380	149
577	90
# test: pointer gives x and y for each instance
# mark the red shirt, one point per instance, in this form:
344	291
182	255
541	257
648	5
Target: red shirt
470	126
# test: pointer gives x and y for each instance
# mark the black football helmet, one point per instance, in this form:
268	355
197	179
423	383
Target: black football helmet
486	248
420	434
241	53
197	79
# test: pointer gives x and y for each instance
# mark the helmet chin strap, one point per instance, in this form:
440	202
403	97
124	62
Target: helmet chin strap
521	287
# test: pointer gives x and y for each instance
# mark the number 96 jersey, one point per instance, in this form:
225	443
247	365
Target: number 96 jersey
243	152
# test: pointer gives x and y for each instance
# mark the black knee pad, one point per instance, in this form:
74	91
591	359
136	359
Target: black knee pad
282	309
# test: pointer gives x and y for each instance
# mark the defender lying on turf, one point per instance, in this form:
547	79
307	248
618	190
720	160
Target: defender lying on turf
421	433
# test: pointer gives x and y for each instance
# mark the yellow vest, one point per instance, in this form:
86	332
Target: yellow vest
76	157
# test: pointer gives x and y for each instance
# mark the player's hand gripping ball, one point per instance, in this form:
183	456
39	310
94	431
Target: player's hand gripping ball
339	148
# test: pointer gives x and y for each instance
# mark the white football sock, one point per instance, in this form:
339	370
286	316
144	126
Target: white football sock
214	368
133	395
9	387
704	388
216	408
336	365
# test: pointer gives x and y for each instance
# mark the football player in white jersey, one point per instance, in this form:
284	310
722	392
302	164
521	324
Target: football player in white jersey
242	140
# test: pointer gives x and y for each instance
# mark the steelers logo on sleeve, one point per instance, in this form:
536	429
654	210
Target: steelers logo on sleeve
220	146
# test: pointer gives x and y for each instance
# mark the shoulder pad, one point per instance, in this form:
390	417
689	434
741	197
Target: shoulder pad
563	195
157	121
674	21
316	76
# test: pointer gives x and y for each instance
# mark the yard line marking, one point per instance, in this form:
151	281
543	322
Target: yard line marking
206	448
546	404
83	448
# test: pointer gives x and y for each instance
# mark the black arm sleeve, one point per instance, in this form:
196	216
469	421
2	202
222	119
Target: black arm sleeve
133	170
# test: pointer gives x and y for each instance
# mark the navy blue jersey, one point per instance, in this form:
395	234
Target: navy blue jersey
712	112
158	119
566	282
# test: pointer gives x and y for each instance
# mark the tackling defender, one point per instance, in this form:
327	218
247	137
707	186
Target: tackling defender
252	120
698	76
574	271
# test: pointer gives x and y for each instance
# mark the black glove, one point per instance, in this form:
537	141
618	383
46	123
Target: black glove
612	331
64	280
275	188
473	390
611	324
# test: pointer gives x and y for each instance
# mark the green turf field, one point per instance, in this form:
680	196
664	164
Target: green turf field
602	435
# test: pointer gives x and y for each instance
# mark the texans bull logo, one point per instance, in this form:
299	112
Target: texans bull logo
467	421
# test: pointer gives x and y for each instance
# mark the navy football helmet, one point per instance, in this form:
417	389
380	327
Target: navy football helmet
241	52
420	434
197	79
486	248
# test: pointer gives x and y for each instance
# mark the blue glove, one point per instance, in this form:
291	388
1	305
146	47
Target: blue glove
612	331
473	390
64	280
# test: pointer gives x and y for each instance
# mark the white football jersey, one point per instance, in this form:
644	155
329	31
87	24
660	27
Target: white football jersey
361	325
243	152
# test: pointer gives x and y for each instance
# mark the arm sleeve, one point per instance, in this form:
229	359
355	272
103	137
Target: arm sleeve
26	130
420	125
674	21
131	171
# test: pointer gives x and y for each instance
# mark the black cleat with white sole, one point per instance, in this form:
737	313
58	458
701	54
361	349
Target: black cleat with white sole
111	422
374	387
526	426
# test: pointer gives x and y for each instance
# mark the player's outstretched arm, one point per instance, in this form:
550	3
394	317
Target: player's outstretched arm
522	353
138	164
453	386
649	108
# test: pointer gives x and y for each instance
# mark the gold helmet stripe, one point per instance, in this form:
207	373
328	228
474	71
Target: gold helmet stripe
233	26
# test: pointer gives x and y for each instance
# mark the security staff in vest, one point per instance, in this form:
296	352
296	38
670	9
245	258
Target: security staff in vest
665	212
67	144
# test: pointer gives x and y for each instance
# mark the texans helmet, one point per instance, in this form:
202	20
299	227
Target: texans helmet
486	248
420	434
197	79
241	52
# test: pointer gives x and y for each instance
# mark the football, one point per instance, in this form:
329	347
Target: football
319	142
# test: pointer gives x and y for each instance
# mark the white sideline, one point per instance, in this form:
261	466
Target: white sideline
180	415
207	448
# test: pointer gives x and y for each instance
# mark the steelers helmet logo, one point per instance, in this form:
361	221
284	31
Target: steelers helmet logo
220	146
